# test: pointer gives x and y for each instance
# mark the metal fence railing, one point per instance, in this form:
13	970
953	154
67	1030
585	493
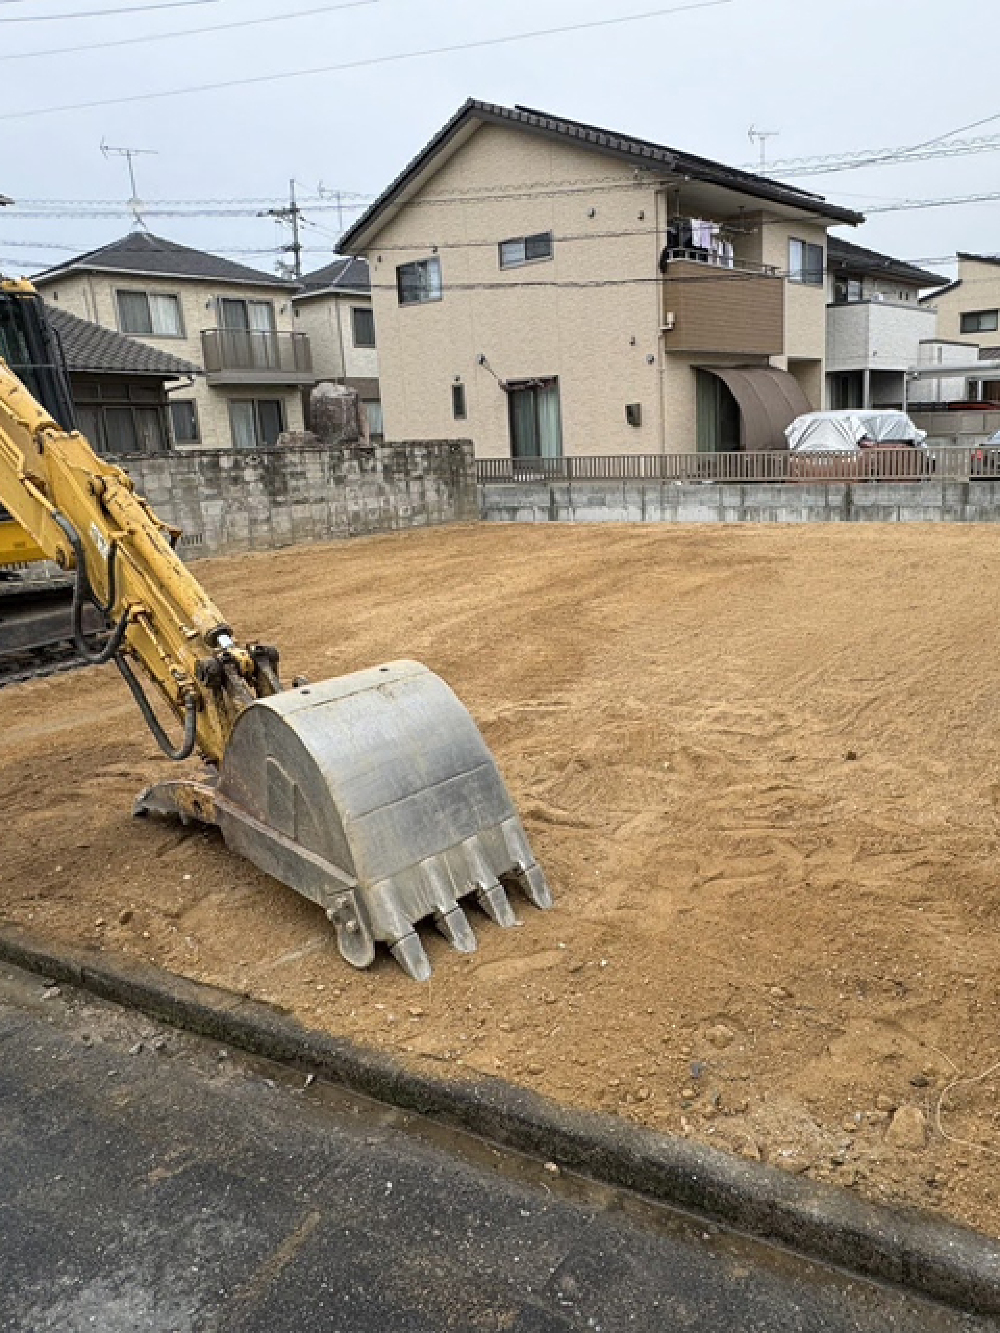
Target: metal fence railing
889	464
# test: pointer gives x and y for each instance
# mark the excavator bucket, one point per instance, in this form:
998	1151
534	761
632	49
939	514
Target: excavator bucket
375	796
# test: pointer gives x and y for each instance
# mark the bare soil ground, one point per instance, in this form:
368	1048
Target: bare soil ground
760	765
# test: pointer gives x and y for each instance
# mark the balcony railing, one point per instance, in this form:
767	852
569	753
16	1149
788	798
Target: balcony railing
713	307
886	464
256	356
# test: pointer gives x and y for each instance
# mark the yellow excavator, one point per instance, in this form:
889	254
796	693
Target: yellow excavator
374	794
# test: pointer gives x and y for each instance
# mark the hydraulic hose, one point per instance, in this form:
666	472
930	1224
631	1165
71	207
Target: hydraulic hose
186	747
83	592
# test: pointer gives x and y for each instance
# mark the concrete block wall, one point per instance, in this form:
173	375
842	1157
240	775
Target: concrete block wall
233	500
787	502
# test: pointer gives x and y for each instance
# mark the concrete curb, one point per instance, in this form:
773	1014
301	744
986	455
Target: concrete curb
940	1260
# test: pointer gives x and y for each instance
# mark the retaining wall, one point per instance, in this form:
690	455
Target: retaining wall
233	500
787	502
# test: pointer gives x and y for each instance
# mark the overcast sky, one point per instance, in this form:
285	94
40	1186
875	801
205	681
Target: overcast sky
831	77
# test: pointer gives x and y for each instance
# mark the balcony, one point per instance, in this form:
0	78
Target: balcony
256	356
876	335
736	309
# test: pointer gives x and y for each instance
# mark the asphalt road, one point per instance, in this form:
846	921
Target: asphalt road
150	1181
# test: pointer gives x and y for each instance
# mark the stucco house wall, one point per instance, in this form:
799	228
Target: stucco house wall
589	316
93	296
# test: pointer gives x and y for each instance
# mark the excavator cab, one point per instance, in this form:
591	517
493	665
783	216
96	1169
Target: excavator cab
373	795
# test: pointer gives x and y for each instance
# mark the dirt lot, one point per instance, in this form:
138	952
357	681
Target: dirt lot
761	767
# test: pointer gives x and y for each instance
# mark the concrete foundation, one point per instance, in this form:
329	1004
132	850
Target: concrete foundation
232	500
782	502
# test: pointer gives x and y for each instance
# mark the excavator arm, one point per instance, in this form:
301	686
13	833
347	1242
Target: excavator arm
374	794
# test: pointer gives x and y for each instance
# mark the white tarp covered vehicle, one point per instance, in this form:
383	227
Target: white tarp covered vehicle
847	432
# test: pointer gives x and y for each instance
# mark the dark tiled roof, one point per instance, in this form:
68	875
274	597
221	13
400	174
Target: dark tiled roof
641	152
142	253
845	256
98	351
343	274
979	259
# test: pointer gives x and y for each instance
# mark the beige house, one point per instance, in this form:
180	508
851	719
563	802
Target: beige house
969	308
334	309
235	324
548	287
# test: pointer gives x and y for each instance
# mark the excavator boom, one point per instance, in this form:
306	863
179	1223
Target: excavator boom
373	795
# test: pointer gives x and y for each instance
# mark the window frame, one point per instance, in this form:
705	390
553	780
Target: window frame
362	310
459	403
259	442
801	273
523	241
146	293
425	294
977	315
185	402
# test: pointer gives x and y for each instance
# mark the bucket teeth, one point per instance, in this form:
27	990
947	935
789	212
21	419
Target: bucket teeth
409	954
495	903
533	885
455	927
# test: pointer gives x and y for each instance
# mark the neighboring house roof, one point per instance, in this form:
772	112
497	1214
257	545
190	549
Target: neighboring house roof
941	291
626	147
141	253
980	259
845	256
342	275
90	349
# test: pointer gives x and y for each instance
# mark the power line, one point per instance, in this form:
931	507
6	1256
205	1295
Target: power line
869	157
370	61
100	13
186	32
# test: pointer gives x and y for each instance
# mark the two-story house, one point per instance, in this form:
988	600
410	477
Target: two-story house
234	323
875	324
334	308
545	286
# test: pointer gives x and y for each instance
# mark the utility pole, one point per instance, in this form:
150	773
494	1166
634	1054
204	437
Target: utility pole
135	203
291	215
761	137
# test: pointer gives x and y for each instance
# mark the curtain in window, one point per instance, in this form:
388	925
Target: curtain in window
523	424
373	411
120	430
263	343
133	313
165	315
241	416
149	430
270	418
549	423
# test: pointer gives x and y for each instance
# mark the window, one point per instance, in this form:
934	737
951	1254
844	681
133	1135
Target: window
373	413
525	249
980	321
846	290
458	407
150	315
363	325
256	423
235	313
246	337
805	262
535	425
419	282
184	421
119	418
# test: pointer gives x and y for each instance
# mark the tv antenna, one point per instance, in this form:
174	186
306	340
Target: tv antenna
761	137
129	154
